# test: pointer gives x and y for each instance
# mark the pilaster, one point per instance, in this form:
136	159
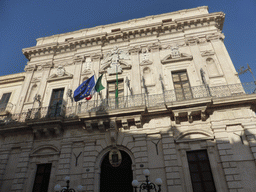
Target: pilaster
173	177
135	71
22	168
226	157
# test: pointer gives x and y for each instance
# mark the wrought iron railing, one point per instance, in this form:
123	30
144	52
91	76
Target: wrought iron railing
139	100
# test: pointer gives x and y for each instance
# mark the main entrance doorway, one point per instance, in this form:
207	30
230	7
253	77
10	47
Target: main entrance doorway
116	179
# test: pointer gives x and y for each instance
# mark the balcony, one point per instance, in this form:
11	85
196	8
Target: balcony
131	102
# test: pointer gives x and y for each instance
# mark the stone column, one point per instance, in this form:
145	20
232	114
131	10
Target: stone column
135	71
226	156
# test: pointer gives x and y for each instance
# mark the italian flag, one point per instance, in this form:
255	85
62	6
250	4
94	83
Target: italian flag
97	88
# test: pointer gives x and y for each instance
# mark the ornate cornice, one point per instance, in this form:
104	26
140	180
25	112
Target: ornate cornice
155	29
12	80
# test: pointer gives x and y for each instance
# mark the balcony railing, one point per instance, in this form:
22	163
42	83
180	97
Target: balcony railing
132	101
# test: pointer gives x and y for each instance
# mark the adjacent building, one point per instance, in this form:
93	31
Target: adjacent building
181	111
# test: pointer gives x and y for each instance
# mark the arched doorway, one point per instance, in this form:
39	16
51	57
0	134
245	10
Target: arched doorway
116	179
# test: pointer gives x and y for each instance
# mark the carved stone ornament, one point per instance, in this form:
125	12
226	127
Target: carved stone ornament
115	157
60	75
145	57
114	61
60	71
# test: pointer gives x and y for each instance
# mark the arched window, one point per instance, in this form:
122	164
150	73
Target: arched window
211	67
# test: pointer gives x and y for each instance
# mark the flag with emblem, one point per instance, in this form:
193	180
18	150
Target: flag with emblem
97	88
85	89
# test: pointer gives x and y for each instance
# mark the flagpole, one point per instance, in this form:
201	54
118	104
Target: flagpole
94	88
116	95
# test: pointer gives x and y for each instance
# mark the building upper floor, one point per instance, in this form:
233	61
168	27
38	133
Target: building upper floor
160	60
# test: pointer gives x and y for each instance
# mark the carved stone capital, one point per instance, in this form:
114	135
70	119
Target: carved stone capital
215	36
47	65
134	50
78	59
30	68
96	56
192	40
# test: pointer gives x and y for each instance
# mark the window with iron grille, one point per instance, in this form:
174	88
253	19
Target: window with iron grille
181	85
42	178
4	101
200	171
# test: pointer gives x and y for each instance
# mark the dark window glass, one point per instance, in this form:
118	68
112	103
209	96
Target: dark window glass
181	85
200	171
56	102
4	101
42	177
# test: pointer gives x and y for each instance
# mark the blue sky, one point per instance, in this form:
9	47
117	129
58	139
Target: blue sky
23	21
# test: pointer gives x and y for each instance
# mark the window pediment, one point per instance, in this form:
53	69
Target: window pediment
170	59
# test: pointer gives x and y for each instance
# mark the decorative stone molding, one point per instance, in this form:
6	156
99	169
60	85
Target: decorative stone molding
185	136
178	25
45	150
189	113
207	53
12	79
183	57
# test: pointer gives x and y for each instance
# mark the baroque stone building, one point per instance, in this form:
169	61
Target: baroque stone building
181	111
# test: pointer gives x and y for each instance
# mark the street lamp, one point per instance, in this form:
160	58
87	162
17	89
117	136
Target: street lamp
148	185
67	189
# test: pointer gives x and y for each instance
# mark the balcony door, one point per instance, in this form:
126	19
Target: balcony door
56	102
181	85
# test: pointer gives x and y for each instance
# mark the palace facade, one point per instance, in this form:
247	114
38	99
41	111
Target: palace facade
181	111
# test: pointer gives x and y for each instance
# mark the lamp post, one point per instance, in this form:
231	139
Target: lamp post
148	185
67	189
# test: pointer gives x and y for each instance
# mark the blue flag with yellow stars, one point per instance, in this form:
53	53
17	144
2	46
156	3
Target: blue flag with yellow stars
84	89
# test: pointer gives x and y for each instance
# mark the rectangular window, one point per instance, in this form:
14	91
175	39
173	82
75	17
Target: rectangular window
42	178
56	102
200	171
4	101
181	85
112	87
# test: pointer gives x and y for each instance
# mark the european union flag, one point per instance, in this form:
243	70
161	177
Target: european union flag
84	89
